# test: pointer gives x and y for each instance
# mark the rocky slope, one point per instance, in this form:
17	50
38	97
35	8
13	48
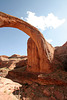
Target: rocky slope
7	86
44	76
36	86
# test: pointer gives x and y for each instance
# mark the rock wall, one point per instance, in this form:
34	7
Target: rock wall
33	57
61	56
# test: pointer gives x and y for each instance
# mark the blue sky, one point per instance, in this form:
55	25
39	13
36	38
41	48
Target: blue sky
51	12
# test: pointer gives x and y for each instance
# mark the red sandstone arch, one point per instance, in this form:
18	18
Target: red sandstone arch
45	50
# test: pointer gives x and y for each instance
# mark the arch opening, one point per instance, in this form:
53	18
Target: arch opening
12	41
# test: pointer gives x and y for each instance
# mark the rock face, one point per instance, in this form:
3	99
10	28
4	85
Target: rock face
7	87
45	50
21	63
61	56
34	59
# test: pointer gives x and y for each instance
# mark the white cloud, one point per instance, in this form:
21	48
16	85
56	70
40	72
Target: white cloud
49	40
21	17
43	22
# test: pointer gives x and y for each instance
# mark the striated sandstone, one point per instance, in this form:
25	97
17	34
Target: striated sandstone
33	57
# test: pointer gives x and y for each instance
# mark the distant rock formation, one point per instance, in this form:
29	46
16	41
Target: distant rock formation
15	56
13	61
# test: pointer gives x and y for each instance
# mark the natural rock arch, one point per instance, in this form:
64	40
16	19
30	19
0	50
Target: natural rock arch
44	49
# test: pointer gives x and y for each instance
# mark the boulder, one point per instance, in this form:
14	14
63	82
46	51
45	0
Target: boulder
7	87
7	96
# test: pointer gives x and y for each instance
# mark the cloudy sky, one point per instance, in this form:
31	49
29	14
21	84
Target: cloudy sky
49	16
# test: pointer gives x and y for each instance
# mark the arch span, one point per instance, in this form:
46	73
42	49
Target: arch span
44	49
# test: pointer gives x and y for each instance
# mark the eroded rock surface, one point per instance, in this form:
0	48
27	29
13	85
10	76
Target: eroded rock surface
7	87
60	56
34	58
